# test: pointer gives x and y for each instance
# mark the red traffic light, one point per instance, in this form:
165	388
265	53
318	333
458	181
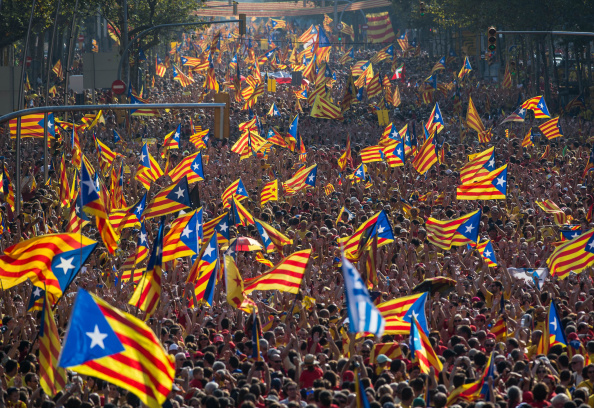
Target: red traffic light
492	31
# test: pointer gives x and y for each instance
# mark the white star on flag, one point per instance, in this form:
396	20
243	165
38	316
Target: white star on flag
65	265
96	338
179	193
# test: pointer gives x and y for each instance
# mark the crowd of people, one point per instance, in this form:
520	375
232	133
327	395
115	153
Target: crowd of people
308	358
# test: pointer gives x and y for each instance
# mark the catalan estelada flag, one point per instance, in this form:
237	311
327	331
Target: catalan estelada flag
93	202
269	192
457	232
490	187
36	300
551	128
148	170
184	238
190	167
404	308
305	177
284	277
479	164
33	125
171	199
239	215
220	225
421	351
51	377
538	106
435	123
180	77
574	255
106	343
271	237
139	254
204	272
235	189
50	261
148	291
485	248
379	225
466	68
171	140
477	390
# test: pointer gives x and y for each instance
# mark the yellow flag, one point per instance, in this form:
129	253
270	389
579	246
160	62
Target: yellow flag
234	283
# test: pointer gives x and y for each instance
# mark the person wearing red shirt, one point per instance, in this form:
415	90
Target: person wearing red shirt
311	372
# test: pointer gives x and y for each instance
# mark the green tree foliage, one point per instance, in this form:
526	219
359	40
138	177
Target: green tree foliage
142	14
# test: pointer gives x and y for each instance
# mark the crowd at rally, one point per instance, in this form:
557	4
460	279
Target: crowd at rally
485	320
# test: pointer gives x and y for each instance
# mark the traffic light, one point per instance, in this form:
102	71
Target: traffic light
492	39
242	24
422	8
234	8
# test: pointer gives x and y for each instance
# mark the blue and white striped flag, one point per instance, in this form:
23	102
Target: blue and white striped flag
363	315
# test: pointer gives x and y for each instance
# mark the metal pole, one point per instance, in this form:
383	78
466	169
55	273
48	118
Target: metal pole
222	121
17	181
574	33
105	107
125	43
50	57
68	63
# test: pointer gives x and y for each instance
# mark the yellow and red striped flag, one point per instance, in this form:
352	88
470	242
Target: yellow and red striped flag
58	70
456	232
180	77
371	154
233	282
191	167
573	255
148	291
271	237
479	164
493	186
391	350
204	272
51	261
132	358
528	141
374	86
323	108
148	169
538	106
551	128
329	189
171	199
477	390
507	79
52	378
499	329
549	207
421	350
426	157
269	192
284	277
473	120
64	186
235	189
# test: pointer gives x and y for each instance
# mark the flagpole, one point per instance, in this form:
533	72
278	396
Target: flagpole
47	80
